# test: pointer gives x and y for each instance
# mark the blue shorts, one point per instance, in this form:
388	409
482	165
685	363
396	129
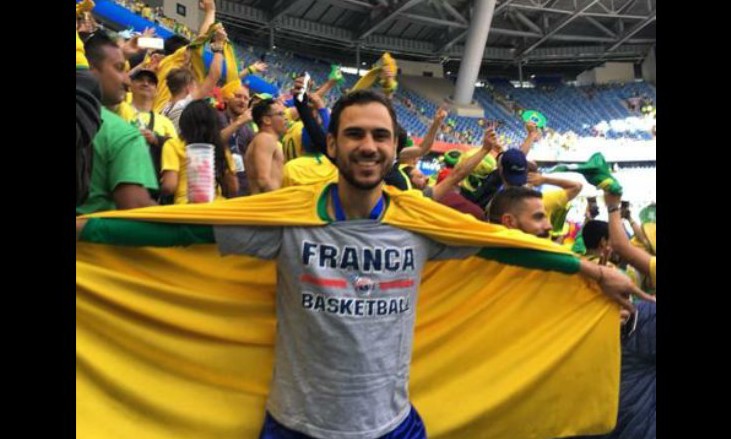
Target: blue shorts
411	428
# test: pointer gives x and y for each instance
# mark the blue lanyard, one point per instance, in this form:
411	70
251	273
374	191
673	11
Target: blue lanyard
340	213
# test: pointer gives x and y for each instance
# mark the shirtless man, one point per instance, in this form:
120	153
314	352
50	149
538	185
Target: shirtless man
264	159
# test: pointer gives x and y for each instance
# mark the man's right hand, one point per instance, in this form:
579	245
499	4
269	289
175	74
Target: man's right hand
299	83
441	114
149	136
207	5
619	287
220	36
80	224
535	178
244	118
533	132
258	66
154	62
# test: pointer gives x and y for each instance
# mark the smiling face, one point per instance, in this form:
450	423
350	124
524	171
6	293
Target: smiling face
364	146
143	86
239	102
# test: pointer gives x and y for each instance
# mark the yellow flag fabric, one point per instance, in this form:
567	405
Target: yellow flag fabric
370	78
178	60
307	170
84	6
229	90
81	62
179	342
229	57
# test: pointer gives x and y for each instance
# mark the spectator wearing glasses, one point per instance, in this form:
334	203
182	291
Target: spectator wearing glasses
264	159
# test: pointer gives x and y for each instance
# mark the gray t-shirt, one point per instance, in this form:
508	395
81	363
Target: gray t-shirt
346	296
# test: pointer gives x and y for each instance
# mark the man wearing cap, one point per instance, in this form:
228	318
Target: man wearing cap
154	127
512	170
236	131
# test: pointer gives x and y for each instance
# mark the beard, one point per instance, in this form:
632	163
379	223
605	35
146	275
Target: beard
349	175
236	110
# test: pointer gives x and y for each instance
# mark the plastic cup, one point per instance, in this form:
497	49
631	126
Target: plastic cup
200	166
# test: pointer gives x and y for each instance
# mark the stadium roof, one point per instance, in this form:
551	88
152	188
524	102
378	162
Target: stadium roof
552	34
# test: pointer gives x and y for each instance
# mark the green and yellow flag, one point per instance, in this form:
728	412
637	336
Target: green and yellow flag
178	342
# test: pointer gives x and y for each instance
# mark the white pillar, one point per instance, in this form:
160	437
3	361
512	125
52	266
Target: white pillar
469	69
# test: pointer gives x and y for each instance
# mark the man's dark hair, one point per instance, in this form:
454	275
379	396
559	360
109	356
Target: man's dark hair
359	97
173	43
94	48
593	232
178	79
504	201
261	109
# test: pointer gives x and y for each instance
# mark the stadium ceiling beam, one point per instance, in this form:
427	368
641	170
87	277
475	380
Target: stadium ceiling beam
454	41
571	38
600	4
601	27
557	28
626	6
636	28
583	14
380	21
438	10
453	12
352	5
463	34
527	21
282	10
421	19
581	52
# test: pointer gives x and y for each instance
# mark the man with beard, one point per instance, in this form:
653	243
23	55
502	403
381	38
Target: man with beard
236	132
344	340
519	207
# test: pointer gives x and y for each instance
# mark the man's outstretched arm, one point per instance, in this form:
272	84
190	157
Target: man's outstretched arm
142	234
613	284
